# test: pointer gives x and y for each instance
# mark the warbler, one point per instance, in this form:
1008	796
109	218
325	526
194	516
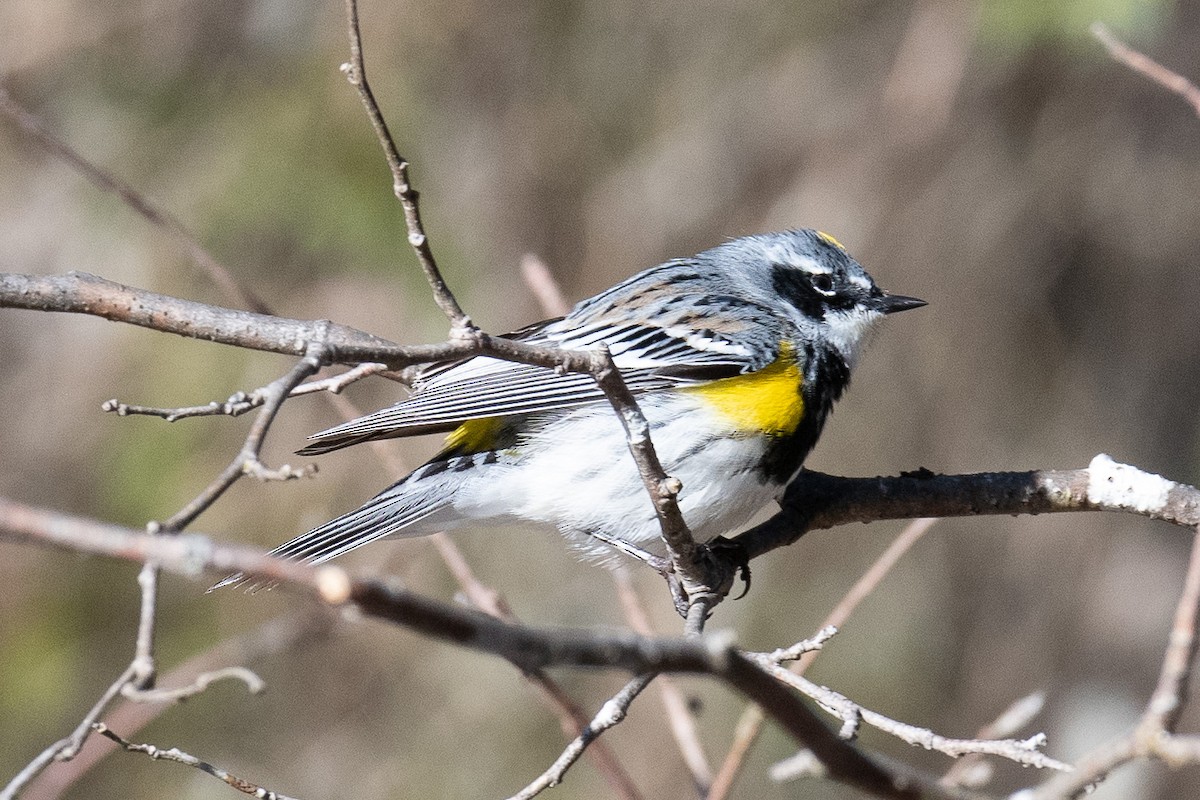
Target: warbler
735	355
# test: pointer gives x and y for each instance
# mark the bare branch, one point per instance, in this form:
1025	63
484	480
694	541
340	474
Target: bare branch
82	293
356	73
237	404
1025	752
527	647
104	180
1143	64
241	402
817	501
750	724
254	685
609	715
973	770
278	635
1154	735
180	757
335	383
799	649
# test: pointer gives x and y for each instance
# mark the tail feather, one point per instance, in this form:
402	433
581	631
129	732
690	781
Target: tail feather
356	432
388	513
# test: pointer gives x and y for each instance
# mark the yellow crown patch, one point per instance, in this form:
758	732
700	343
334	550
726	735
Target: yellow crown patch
827	239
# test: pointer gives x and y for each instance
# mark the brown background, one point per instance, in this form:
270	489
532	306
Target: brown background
986	156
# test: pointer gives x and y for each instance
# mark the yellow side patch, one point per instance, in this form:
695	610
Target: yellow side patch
474	435
764	402
825	237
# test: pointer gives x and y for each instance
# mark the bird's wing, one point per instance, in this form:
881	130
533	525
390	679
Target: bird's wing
663	352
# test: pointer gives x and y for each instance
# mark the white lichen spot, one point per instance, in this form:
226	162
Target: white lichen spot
1122	486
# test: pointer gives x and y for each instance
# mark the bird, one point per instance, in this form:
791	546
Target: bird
735	356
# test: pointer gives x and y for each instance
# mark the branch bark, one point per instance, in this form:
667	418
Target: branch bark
526	647
816	501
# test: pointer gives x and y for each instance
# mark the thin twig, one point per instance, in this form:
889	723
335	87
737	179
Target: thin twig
749	725
609	715
275	636
796	651
356	72
254	685
1025	752
188	760
1141	63
973	770
681	720
241	402
527	647
336	383
237	404
106	181
65	749
1153	736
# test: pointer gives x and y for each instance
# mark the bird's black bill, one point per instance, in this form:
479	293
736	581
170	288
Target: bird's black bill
891	303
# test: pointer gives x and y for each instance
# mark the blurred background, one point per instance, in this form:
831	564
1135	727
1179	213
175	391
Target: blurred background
986	156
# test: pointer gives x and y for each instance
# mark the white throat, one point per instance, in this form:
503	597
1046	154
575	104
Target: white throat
847	330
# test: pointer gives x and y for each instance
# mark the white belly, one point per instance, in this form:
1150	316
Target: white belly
577	475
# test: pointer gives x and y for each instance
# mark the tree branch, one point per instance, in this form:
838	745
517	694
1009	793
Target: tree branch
104	180
528	648
1154	736
356	72
749	725
1141	63
815	501
189	760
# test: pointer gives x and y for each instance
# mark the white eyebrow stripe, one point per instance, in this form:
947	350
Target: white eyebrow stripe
780	254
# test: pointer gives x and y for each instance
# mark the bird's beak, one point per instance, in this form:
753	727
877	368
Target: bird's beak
891	303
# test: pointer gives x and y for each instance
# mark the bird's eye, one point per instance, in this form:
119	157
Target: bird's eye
823	282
